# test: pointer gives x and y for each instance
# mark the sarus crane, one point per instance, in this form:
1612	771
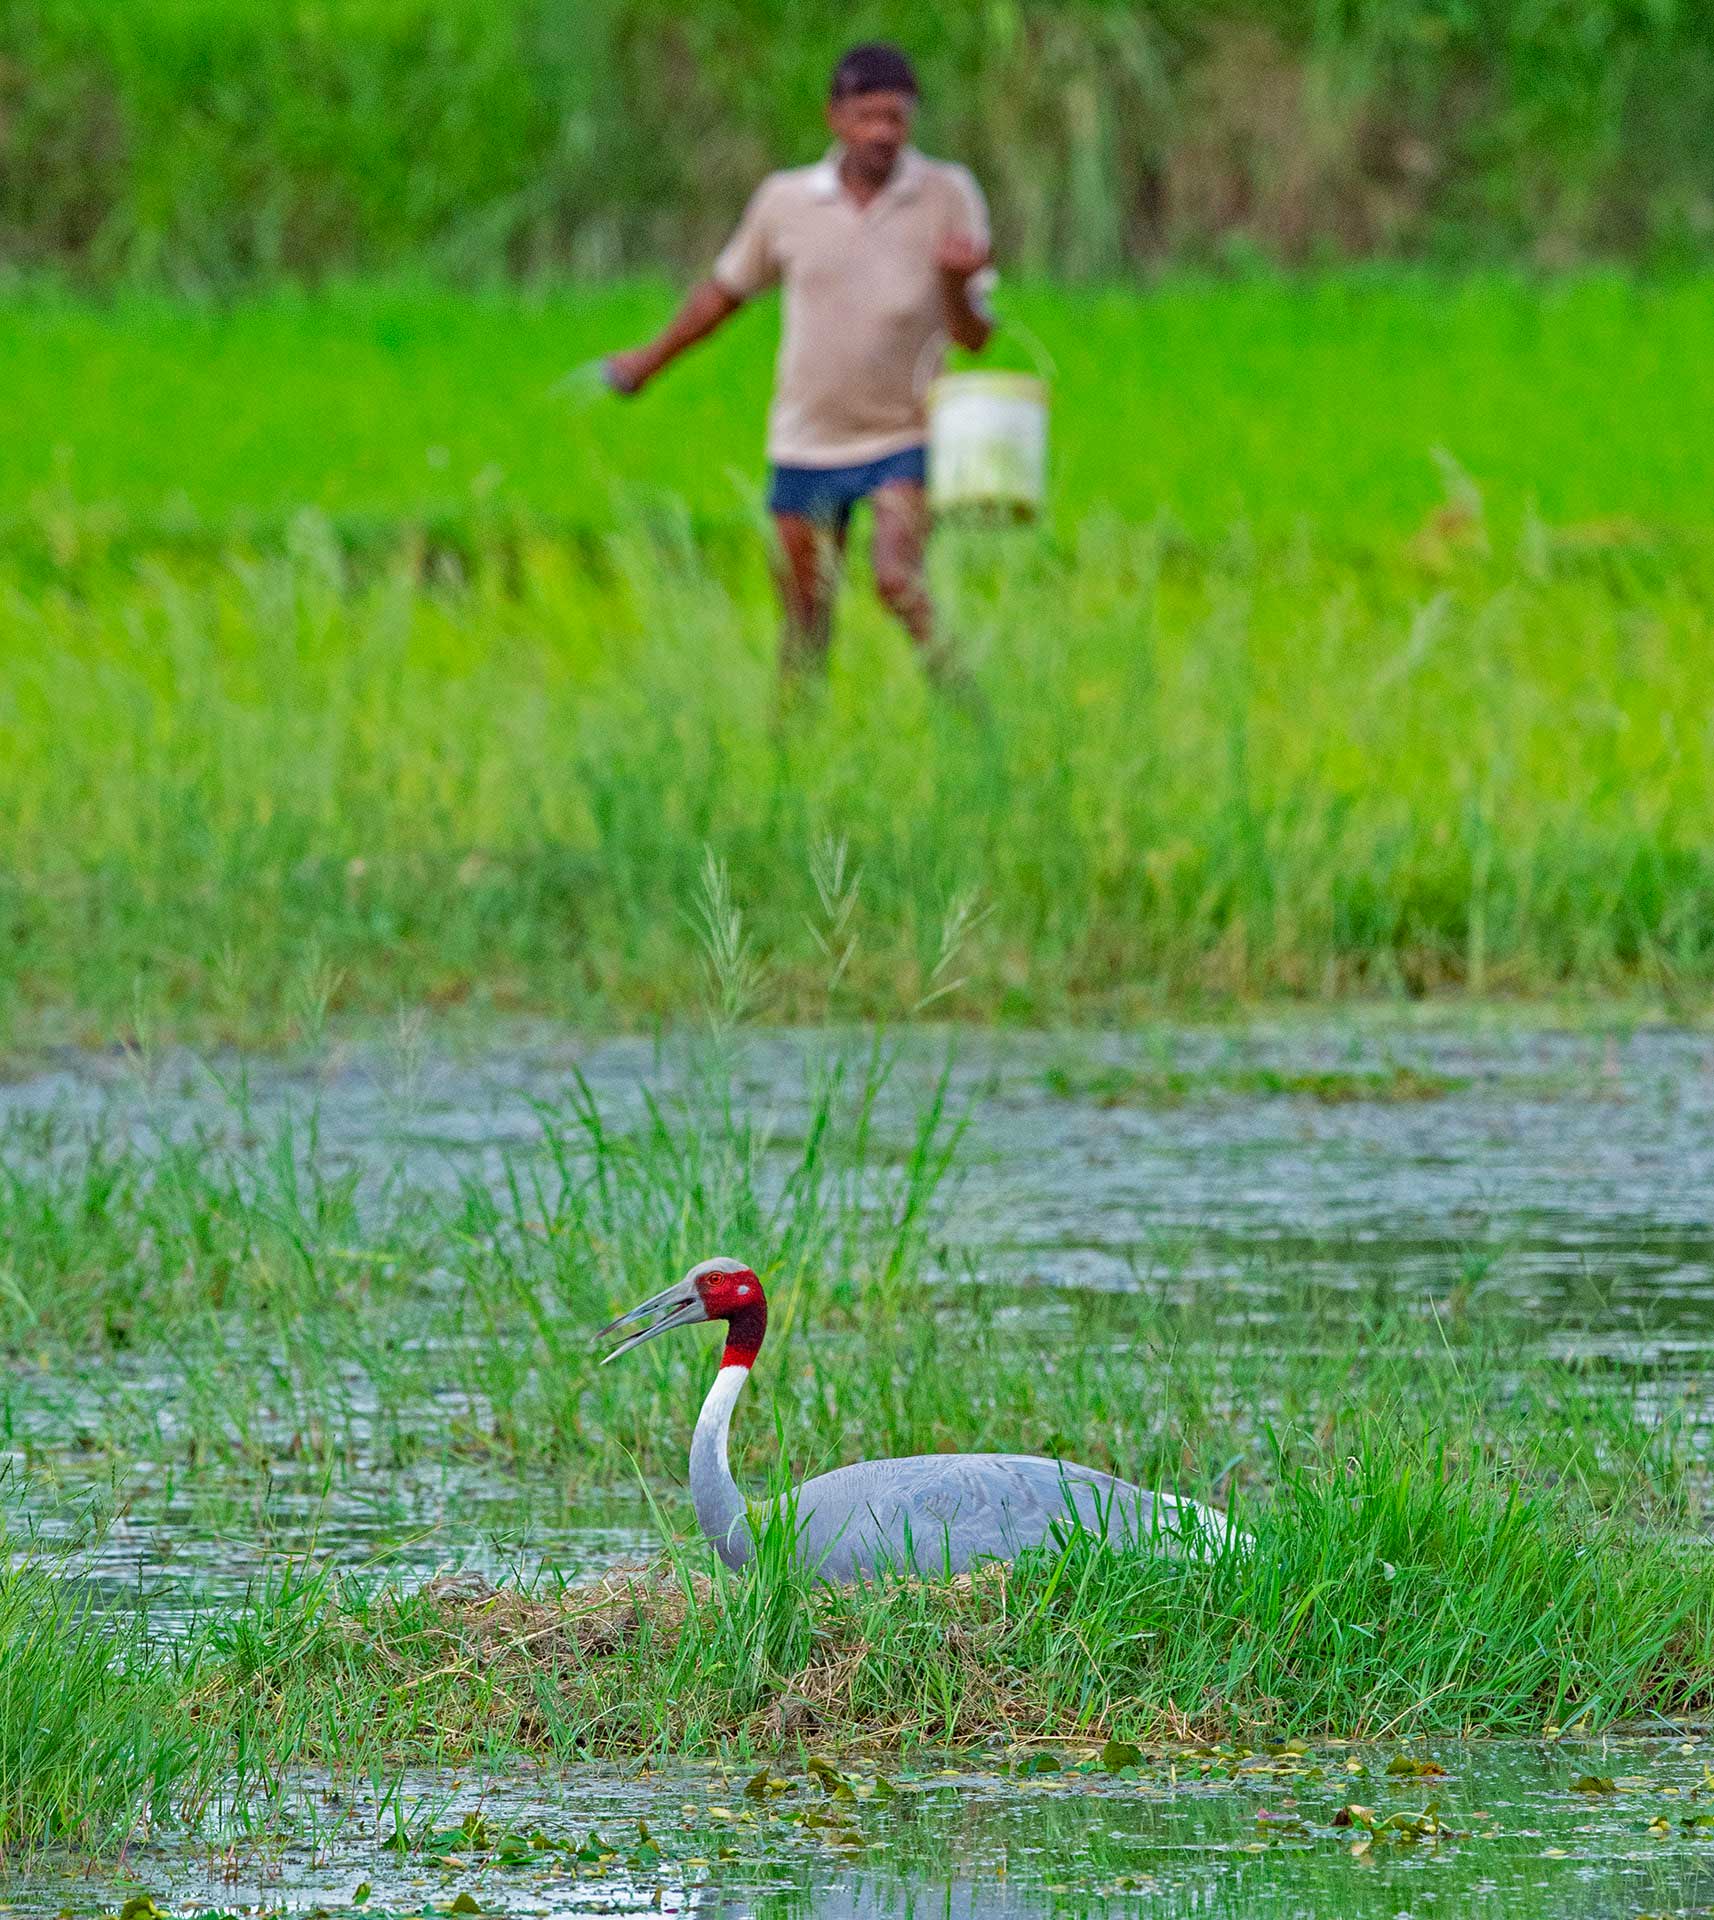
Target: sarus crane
934	1513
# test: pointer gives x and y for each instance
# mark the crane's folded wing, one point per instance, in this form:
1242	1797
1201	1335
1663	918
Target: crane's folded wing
946	1513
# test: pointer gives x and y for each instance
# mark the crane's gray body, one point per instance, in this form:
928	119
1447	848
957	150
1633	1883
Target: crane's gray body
937	1513
946	1513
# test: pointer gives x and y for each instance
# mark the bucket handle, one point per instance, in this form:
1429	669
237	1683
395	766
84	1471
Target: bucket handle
938	342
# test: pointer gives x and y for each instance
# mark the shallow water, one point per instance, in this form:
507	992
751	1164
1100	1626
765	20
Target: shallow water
1568	1160
1567	1168
1190	1834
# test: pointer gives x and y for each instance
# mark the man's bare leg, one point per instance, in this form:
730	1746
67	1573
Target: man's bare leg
898	549
808	556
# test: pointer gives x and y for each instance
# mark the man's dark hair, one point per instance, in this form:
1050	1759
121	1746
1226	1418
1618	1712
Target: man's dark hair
874	67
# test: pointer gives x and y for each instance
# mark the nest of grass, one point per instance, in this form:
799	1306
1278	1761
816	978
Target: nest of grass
650	1658
597	1619
603	1649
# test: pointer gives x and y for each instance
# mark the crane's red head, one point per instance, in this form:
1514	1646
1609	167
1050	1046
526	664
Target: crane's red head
729	1291
716	1290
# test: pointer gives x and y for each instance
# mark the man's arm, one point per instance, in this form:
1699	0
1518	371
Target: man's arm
961	260
708	305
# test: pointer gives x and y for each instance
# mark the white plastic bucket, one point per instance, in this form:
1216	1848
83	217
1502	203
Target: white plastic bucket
987	443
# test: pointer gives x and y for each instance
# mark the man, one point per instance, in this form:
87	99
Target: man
882	255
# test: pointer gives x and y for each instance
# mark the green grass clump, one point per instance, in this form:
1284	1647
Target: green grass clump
1167	1086
97	1736
1386	1594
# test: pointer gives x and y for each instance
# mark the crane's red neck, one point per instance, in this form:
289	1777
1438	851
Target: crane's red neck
735	1296
744	1331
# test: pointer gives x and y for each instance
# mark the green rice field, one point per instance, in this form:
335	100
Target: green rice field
353	660
1338	408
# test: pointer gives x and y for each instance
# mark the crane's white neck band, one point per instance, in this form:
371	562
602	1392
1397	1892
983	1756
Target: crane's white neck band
719	1505
715	1420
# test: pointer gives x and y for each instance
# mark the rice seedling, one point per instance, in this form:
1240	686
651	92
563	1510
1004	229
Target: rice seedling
1198	786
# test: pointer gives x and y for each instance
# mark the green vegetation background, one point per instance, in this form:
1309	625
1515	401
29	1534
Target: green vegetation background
203	141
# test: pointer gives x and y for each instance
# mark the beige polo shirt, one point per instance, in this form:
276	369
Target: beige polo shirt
863	327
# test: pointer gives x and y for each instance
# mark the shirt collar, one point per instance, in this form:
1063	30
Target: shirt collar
904	183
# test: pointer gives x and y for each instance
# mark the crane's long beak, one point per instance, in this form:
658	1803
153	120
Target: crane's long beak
679	1305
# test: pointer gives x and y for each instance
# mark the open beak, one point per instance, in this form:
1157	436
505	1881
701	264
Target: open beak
679	1305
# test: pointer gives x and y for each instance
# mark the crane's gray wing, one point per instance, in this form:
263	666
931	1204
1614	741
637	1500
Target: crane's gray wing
945	1513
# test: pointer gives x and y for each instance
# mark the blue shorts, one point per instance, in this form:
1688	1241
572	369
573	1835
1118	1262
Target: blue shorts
828	494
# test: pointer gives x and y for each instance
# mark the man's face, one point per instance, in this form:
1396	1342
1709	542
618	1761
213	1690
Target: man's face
872	128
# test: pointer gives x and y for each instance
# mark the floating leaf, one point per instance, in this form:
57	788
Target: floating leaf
1426	1825
1117	1755
141	1906
831	1781
1037	1763
1354	1816
1593	1783
1403	1767
467	1903
765	1785
361	1897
